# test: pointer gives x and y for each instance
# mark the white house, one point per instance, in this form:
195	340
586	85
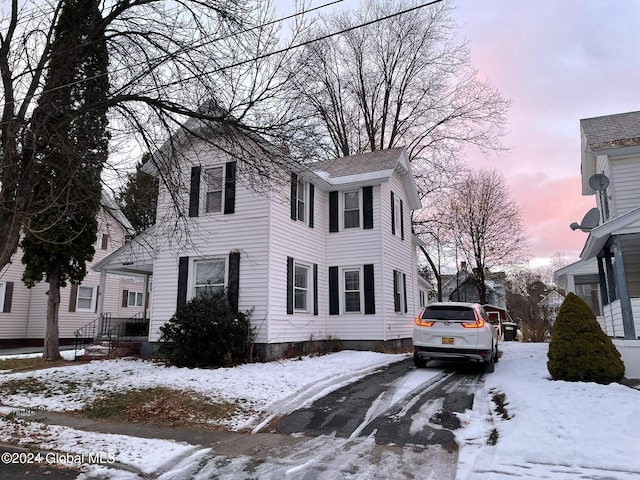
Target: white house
23	312
610	168
326	254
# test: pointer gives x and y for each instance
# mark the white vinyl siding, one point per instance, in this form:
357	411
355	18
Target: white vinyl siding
214	236
624	176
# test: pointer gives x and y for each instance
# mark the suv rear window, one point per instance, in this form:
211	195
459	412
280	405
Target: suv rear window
448	313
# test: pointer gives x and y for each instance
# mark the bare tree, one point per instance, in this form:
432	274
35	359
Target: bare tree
166	60
401	81
486	223
404	81
525	292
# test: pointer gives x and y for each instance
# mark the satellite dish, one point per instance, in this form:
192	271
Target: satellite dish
590	220
599	181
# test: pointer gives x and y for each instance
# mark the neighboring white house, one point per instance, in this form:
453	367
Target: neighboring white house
23	312
326	254
610	167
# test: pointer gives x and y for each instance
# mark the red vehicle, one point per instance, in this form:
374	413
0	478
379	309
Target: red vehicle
498	316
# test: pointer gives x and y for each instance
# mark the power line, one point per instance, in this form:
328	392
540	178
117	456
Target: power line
302	44
186	49
266	55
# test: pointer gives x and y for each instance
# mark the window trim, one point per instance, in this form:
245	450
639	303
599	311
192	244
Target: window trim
301	201
3	293
137	295
207	177
193	270
343	210
399	292
343	290
306	289
92	307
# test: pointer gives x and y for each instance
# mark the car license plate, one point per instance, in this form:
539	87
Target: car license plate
447	340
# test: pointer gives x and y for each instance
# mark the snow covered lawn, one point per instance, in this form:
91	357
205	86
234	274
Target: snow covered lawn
541	428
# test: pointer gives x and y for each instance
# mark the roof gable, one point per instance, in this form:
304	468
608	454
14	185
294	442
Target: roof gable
601	136
370	167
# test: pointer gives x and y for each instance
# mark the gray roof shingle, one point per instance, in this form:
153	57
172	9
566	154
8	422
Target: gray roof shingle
359	163
612	131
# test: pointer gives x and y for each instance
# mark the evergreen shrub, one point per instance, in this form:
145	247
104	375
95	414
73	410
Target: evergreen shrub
207	332
579	350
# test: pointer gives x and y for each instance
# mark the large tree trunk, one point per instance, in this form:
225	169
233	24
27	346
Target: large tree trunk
51	340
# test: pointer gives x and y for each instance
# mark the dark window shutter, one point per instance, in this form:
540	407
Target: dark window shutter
404	291
230	187
105	241
393	214
367	208
194	193
311	198
8	297
396	297
95	309
183	272
233	292
369	290
401	221
294	196
333	211
315	289
289	285
125	298
73	297
334	293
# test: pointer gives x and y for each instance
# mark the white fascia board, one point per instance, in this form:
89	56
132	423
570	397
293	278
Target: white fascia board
360	179
627	223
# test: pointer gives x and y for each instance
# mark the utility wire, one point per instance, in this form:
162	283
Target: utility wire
186	49
270	54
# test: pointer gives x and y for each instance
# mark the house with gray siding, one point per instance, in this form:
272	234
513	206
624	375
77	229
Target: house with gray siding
610	167
325	252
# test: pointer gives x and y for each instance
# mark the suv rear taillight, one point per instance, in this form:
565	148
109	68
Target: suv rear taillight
424	323
479	323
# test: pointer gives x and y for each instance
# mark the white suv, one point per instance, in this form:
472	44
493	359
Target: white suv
455	331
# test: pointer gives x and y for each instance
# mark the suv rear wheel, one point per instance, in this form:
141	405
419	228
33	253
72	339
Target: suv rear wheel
419	362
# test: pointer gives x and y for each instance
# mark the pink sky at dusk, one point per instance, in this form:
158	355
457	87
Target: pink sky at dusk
558	61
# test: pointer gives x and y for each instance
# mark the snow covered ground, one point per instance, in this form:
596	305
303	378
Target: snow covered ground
546	429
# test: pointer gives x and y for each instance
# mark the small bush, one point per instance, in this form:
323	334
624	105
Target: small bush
579	350
206	332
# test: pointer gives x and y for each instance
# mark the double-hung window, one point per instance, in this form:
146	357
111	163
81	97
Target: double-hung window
86	299
209	277
352	290
300	287
135	299
352	209
399	291
301	201
215	185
